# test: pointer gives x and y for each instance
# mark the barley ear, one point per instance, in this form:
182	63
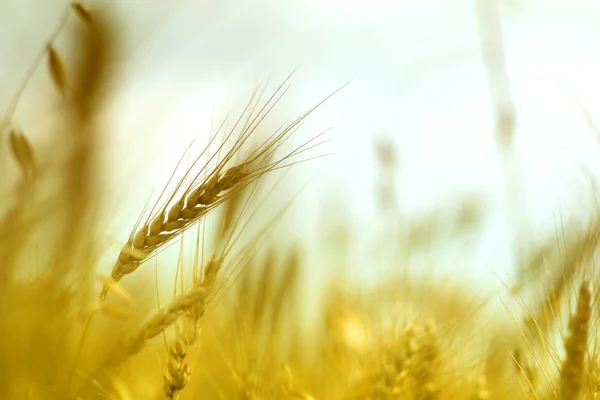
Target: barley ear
57	68
571	374
23	153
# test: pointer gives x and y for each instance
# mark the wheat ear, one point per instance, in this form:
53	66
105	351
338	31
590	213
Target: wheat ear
161	320
188	209
571	373
203	195
423	363
178	371
157	323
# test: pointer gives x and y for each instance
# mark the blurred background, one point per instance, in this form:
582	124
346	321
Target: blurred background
463	141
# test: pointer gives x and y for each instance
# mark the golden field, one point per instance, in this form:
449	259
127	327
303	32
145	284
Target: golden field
236	318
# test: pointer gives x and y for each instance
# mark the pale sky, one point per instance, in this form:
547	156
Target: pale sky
417	77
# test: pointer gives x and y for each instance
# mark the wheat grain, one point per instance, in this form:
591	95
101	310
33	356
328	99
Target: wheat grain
82	12
178	370
22	152
57	69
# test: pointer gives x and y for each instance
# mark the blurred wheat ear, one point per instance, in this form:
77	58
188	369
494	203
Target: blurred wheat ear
48	238
576	346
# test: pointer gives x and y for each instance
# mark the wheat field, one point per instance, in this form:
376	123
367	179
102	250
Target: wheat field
205	299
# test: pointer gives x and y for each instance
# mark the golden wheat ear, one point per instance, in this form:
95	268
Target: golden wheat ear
211	187
178	370
576	346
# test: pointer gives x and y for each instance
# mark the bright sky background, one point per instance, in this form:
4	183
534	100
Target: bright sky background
417	77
